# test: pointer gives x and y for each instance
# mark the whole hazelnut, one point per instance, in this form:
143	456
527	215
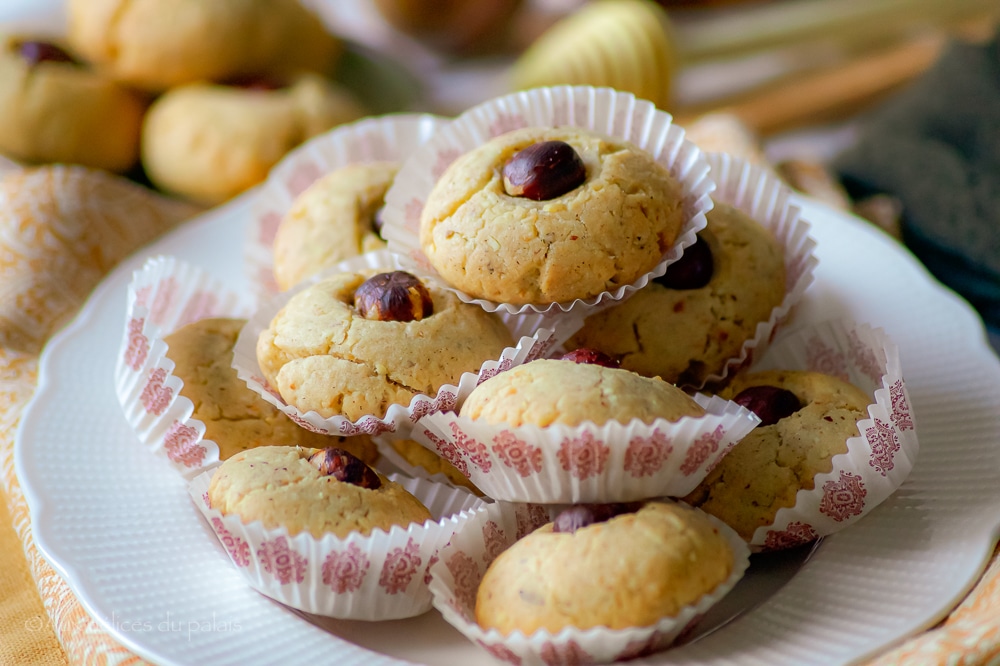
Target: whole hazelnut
344	466
692	271
35	51
770	403
590	356
259	83
581	515
395	296
543	171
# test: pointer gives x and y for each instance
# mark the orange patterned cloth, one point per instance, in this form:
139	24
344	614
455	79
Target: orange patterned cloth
36	254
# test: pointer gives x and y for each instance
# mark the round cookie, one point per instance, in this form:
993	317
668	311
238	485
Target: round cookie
322	354
159	44
766	469
548	392
603	234
209	142
280	487
630	571
332	220
54	108
235	417
684	335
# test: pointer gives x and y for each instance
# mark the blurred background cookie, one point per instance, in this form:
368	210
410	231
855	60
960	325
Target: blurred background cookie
55	108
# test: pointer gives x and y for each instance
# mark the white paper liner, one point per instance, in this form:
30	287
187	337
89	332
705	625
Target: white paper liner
758	193
380	576
383	138
613	462
534	340
877	461
604	110
462	564
164	295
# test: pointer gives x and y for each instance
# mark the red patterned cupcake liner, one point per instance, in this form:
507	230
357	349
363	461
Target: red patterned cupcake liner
379	576
611	112
462	563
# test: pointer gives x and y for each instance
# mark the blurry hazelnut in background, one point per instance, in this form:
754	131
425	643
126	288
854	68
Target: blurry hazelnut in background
456	27
54	108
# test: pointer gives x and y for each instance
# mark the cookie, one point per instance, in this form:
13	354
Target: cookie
333	220
159	44
549	391
685	325
209	142
235	417
629	571
613	226
327	351
299	489
54	108
766	469
419	455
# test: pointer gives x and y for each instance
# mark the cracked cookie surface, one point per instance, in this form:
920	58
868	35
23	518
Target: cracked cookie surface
547	392
235	417
766	469
278	486
602	235
630	571
685	335
322	356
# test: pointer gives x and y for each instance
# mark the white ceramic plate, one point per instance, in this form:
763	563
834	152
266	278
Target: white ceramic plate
117	523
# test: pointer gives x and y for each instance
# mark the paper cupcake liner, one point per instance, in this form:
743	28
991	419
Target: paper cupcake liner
462	564
603	110
877	461
534	341
382	138
761	195
613	462
379	576
164	295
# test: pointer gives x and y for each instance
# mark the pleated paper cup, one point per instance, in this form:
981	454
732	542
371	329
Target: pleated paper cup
379	576
877	461
617	114
613	462
164	295
534	340
389	138
456	576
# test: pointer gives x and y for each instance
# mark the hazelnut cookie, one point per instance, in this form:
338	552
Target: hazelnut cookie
806	419
334	219
320	491
550	215
685	325
235	417
353	344
627	570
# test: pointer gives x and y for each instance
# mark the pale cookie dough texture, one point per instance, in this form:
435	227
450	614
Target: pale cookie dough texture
630	571
685	335
159	44
600	236
321	355
331	221
61	112
766	469
278	486
548	392
209	142
235	417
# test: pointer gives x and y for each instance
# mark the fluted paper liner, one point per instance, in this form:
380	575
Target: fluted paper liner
383	138
164	295
379	576
461	565
758	193
603	110
878	460
613	462
534	340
